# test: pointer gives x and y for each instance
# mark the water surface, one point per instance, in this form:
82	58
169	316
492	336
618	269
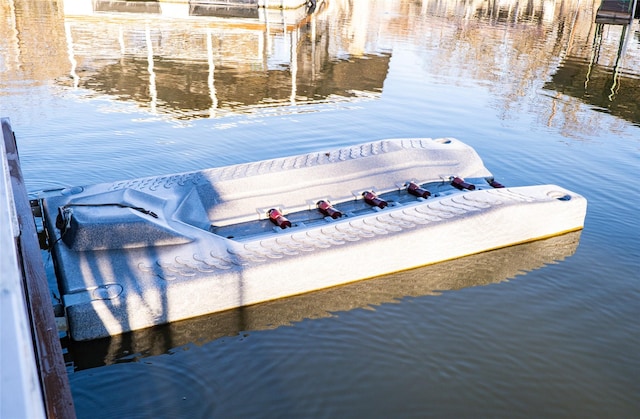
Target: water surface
105	91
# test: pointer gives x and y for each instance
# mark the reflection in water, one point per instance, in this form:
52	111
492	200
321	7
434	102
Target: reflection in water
185	61
194	89
481	269
123	6
215	67
599	79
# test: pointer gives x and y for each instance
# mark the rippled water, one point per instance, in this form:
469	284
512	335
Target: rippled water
105	90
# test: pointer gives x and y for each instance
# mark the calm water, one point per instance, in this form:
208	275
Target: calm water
105	91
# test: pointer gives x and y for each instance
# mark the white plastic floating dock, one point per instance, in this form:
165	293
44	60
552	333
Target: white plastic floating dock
134	254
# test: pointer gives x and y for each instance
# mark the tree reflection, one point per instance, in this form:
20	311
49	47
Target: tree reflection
200	62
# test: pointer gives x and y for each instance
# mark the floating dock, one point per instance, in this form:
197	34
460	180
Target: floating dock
144	252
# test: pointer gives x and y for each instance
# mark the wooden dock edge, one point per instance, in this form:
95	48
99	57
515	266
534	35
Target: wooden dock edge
54	383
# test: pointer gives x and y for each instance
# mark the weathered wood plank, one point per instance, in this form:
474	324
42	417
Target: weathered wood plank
53	375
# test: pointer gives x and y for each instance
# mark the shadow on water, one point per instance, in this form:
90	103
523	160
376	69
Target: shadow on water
476	270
